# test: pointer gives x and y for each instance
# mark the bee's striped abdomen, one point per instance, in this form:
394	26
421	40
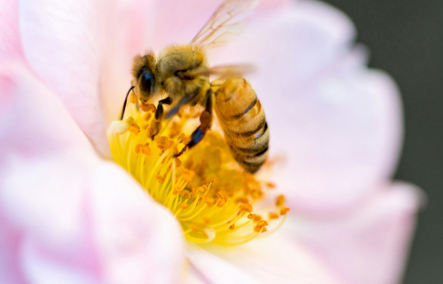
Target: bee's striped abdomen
243	121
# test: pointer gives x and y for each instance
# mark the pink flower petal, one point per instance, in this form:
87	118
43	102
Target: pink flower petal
273	259
33	121
10	45
367	245
345	141
10	248
61	43
337	124
66	215
128	31
138	240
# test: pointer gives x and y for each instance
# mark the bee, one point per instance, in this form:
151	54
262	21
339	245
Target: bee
183	73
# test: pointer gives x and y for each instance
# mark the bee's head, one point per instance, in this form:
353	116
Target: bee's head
144	81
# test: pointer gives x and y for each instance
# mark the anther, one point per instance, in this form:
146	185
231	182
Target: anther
284	210
247	207
138	148
134	128
270	185
160	178
147	107
209	200
260	226
273	215
146	150
183	205
257	218
185	194
280	200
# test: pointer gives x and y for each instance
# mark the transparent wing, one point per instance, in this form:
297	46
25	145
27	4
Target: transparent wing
226	22
223	71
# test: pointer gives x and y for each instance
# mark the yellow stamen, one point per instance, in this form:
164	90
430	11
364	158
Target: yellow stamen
211	196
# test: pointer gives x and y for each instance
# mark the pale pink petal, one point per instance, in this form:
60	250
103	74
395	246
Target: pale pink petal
10	248
345	140
128	31
370	243
10	45
273	259
67	216
33	121
266	6
210	268
40	190
337	124
61	43
44	198
138	240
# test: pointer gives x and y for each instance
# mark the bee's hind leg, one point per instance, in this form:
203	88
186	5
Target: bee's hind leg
205	124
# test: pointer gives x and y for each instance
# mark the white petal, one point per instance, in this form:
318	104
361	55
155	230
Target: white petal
337	124
273	259
370	243
60	41
138	240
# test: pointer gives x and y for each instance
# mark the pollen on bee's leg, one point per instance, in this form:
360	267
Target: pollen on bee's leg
214	200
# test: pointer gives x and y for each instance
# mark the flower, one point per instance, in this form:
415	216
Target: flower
70	215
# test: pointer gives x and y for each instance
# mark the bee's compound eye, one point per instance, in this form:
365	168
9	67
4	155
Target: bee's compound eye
146	82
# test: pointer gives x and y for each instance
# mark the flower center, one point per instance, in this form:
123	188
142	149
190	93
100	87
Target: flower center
212	197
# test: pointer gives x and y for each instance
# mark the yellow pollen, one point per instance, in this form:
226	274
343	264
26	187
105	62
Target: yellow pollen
246	207
280	200
270	185
148	108
260	226
273	215
134	128
284	210
209	200
184	206
211	196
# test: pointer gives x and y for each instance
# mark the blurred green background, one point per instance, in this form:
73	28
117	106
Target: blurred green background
405	38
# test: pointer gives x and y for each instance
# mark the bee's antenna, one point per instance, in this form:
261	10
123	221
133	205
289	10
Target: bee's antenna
124	104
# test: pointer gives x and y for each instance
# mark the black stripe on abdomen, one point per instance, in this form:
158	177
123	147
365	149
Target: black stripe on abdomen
237	116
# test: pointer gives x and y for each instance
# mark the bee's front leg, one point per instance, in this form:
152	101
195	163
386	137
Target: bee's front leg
205	124
159	116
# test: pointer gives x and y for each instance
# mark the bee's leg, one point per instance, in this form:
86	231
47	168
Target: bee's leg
159	116
186	99
159	111
124	104
205	124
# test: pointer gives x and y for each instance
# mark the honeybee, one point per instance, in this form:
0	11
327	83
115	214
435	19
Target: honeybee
183	73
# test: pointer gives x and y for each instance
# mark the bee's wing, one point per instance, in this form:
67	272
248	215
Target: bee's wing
223	71
226	22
